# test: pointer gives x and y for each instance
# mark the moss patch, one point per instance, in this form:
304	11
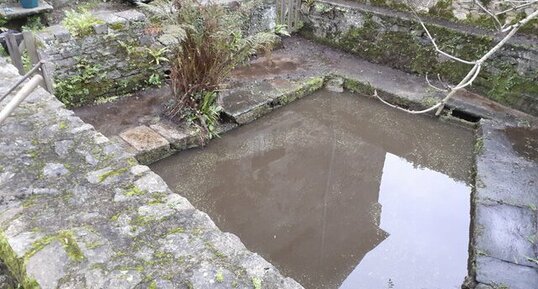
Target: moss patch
15	264
405	47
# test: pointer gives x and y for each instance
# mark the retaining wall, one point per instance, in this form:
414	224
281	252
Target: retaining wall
120	55
394	38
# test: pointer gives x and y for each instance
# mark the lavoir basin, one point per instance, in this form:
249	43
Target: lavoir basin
339	191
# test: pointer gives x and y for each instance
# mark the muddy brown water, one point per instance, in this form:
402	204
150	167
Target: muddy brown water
338	191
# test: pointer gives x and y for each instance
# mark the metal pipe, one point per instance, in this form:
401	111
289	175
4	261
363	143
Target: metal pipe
20	96
28	74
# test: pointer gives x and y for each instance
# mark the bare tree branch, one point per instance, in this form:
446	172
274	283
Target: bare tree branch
477	64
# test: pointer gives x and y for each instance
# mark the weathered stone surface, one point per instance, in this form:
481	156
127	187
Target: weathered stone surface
150	146
56	260
131	15
246	104
504	228
510	177
107	223
394	38
506	233
177	138
497	273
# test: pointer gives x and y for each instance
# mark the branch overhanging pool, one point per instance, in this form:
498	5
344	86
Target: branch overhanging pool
339	191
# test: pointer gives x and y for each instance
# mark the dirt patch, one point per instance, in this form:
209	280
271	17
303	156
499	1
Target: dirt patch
142	108
263	67
524	141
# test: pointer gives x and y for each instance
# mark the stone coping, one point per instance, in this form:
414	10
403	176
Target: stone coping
504	231
78	211
113	22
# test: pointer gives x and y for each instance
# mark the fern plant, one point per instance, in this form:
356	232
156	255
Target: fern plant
211	45
80	23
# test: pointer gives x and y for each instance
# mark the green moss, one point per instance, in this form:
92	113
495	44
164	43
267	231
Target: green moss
67	240
153	285
358	87
63	125
214	250
112	173
479	146
256	282
29	201
93	245
157	198
116	26
508	87
70	245
134	191
115	217
442	9
15	264
88	82
219	277
176	231
406	50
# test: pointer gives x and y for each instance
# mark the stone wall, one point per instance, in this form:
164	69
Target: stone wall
122	54
116	57
394	38
464	10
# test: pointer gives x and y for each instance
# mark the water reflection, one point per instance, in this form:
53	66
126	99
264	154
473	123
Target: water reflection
426	246
336	190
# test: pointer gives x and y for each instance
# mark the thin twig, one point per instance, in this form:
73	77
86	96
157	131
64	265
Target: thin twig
473	73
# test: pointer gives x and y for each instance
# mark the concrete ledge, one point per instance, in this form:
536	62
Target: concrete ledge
503	237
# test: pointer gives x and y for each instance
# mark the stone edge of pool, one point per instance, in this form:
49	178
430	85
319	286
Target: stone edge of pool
78	211
111	222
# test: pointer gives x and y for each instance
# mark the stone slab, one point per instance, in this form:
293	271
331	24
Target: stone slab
177	138
149	145
505	226
500	274
504	175
250	102
15	10
507	233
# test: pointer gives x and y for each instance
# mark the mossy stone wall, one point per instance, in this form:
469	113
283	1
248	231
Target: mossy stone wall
509	77
116	57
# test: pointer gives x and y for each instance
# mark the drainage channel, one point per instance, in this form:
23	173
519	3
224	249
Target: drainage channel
339	191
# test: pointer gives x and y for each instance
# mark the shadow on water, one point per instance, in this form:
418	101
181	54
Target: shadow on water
339	191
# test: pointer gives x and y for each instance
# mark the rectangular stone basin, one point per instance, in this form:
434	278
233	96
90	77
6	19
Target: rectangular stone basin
340	191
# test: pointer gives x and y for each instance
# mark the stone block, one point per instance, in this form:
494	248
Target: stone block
177	138
100	28
114	22
506	232
149	145
495	272
131	15
61	34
